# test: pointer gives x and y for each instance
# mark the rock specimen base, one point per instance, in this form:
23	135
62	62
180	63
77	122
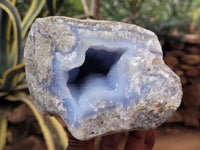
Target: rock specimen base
101	77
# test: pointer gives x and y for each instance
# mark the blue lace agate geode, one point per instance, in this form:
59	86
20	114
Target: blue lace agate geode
99	76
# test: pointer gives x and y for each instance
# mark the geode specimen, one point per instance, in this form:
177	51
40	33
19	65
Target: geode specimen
99	76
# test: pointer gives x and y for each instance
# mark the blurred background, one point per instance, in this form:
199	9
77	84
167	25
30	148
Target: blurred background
177	25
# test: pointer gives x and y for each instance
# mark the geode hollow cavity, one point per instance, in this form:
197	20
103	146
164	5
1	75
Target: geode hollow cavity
101	77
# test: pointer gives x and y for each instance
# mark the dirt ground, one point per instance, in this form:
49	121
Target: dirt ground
177	138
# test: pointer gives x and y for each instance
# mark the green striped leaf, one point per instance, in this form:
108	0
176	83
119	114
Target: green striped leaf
58	133
7	82
16	52
3	48
54	7
34	10
59	4
21	97
51	4
8	35
4	109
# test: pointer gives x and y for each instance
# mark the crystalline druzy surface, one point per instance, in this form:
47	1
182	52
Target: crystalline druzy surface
99	76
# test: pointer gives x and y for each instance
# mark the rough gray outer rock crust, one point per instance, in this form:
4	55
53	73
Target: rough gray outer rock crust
52	35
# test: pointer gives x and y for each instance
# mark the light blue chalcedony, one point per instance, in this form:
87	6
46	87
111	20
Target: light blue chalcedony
99	76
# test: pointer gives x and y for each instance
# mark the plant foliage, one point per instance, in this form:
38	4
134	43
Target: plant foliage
13	88
161	16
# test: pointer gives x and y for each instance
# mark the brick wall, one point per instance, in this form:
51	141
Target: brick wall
184	59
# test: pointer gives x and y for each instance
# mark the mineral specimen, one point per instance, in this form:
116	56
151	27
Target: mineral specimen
101	77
